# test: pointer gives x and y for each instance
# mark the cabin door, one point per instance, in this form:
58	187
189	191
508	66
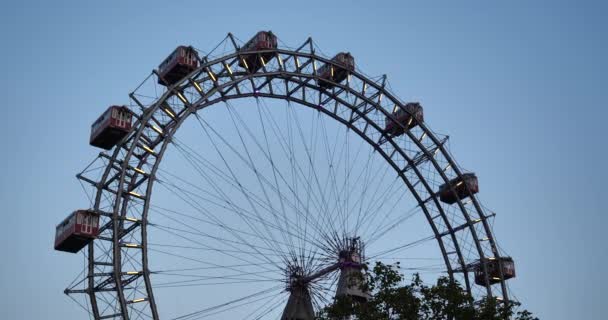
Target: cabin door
86	224
114	117
188	57
122	118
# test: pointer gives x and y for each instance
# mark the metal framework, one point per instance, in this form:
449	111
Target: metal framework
118	279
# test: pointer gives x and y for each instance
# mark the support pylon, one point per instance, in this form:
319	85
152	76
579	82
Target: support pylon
299	306
351	276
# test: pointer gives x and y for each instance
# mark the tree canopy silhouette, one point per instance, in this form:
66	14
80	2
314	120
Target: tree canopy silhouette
393	298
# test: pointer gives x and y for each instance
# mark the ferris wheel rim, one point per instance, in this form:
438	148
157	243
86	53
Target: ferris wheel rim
137	131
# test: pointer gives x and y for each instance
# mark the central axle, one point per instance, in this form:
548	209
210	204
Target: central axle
349	263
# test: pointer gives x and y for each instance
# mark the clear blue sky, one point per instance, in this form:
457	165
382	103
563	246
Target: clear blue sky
520	86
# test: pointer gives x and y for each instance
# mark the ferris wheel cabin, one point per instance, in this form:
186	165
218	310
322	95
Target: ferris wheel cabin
76	231
332	73
404	119
494	266
177	65
113	125
263	40
460	186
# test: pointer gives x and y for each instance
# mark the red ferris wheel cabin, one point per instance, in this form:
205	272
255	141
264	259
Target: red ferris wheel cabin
460	188
405	117
330	73
177	65
76	231
263	40
113	125
494	266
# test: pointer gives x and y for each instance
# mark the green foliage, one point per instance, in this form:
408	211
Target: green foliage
394	300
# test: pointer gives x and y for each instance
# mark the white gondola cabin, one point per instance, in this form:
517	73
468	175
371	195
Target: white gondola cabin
494	265
76	231
469	180
332	73
177	65
263	40
113	125
405	118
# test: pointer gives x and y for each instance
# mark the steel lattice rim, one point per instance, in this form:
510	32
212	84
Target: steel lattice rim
215	82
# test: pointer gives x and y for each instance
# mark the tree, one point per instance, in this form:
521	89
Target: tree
393	300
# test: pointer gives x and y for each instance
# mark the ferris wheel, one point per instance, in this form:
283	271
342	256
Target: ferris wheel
291	171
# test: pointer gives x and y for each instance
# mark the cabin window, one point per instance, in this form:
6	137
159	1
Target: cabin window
264	40
101	119
61	228
188	57
86	224
118	118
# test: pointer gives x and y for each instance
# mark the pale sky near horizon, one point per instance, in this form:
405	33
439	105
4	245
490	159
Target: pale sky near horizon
520	87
